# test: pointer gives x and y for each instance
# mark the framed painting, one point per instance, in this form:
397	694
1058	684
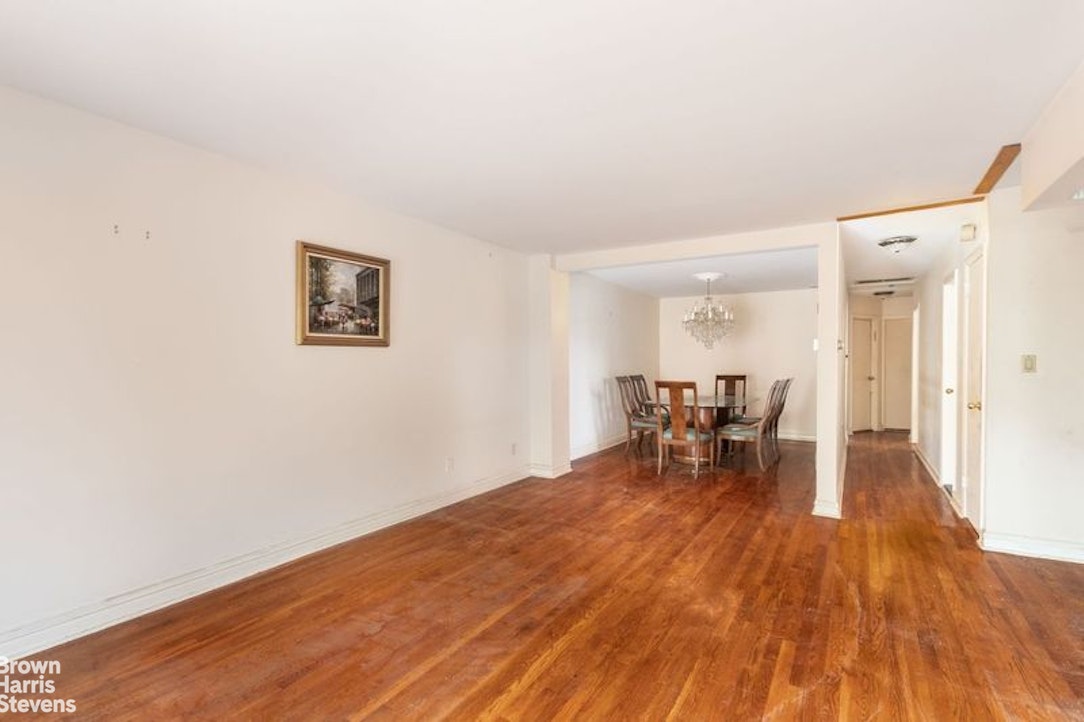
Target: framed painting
342	297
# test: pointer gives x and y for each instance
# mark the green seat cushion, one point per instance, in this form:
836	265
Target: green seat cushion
735	430
644	424
690	435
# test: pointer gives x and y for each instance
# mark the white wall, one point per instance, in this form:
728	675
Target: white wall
773	338
612	332
159	429
1034	425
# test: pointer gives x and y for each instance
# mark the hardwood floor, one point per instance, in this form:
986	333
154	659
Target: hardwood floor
612	594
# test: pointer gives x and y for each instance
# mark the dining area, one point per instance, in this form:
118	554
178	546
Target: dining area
703	428
732	412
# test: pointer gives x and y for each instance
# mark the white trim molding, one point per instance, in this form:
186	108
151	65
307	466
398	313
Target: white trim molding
937	482
833	509
797	436
1026	546
587	449
49	632
926	462
543	471
827	509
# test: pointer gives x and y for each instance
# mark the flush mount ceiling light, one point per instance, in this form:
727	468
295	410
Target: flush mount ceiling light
708	321
1079	195
895	244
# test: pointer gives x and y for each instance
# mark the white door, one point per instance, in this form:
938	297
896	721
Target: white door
974	287
861	374
896	378
949	408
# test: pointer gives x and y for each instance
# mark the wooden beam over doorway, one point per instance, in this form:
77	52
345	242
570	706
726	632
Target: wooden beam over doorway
1002	161
906	209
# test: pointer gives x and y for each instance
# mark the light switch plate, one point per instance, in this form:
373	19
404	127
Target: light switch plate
1029	362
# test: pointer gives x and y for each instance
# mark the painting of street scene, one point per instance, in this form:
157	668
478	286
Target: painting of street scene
344	295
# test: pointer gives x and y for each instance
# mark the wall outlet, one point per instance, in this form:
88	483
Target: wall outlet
449	464
513	448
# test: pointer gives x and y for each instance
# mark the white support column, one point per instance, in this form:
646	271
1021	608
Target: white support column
831	437
548	369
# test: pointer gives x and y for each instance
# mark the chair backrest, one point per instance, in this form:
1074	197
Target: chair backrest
781	401
731	385
639	385
773	404
628	397
680	421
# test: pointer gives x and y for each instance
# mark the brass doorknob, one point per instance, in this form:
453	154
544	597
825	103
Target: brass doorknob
974	405
949	391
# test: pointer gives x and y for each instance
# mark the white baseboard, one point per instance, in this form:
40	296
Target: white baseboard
587	449
49	632
1027	546
833	508
545	471
797	436
926	462
827	508
937	482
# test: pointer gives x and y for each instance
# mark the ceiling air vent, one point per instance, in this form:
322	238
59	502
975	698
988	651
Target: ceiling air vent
895	244
880	281
900	286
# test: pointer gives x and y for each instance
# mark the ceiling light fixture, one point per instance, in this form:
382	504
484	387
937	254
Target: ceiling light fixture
1079	195
895	244
708	321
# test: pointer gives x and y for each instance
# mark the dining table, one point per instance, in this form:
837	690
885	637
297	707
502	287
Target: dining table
715	410
712	410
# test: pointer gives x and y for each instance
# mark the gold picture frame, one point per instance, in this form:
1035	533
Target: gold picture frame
343	298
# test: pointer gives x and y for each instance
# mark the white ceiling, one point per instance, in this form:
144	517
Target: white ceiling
572	124
935	229
742	273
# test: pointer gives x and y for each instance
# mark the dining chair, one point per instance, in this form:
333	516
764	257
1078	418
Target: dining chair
775	425
639	384
760	432
782	403
684	429
783	388
732	385
638	420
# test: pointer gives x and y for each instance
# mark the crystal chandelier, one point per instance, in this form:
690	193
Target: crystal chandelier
708	321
